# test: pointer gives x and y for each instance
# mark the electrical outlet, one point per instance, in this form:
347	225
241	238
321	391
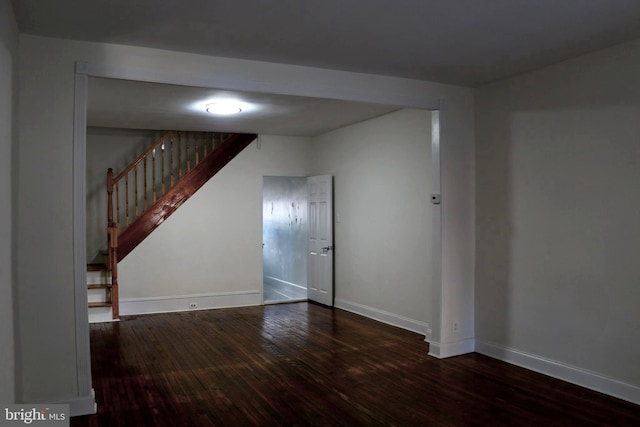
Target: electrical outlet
193	305
454	327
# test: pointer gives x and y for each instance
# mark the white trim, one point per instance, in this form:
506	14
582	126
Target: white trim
275	281
561	371
313	90
174	303
436	186
83	351
457	348
436	229
383	316
83	405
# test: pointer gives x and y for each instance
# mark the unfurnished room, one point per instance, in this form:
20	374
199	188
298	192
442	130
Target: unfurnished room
320	212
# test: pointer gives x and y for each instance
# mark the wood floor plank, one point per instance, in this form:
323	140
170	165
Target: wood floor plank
305	364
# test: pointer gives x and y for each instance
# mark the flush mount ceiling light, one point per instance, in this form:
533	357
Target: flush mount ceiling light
224	108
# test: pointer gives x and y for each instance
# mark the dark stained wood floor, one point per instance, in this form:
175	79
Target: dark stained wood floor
304	364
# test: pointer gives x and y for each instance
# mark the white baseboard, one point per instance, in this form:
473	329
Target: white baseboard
83	405
444	350
383	316
269	280
562	371
174	303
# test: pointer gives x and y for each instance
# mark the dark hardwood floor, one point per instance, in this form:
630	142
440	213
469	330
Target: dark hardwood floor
304	364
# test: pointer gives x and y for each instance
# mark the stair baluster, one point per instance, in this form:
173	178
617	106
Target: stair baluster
126	199
144	169
153	177
170	165
195	142
187	152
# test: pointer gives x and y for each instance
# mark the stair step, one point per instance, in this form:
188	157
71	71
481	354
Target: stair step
104	286
96	267
99	304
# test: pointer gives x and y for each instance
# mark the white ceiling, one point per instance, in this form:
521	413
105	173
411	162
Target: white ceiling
141	105
463	42
466	42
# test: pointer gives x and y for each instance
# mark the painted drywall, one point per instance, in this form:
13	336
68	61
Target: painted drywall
45	186
108	148
557	204
8	92
213	243
382	213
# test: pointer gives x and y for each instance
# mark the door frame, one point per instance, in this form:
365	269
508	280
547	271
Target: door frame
334	85
262	226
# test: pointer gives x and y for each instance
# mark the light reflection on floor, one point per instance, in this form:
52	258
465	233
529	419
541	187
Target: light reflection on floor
281	292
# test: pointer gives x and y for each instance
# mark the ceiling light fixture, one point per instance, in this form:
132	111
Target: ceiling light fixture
224	108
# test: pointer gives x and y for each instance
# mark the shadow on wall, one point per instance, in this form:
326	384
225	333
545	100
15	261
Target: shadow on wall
557	166
493	227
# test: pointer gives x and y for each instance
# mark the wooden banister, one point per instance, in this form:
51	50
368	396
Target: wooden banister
176	183
175	196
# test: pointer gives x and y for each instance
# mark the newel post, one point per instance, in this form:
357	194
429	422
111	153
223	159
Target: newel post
113	251
111	244
110	198
112	241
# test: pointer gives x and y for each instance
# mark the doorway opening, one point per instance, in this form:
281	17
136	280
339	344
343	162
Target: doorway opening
285	233
84	71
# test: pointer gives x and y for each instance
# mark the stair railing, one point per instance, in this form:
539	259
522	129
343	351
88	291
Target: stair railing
154	172
147	178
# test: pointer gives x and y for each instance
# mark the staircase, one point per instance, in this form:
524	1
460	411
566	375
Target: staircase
146	193
99	293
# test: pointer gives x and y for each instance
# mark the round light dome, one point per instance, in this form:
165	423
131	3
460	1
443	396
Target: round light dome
223	108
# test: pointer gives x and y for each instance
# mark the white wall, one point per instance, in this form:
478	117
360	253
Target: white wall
558	167
45	223
45	203
8	92
210	248
382	186
212	245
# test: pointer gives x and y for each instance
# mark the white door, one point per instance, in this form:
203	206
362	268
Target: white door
320	268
